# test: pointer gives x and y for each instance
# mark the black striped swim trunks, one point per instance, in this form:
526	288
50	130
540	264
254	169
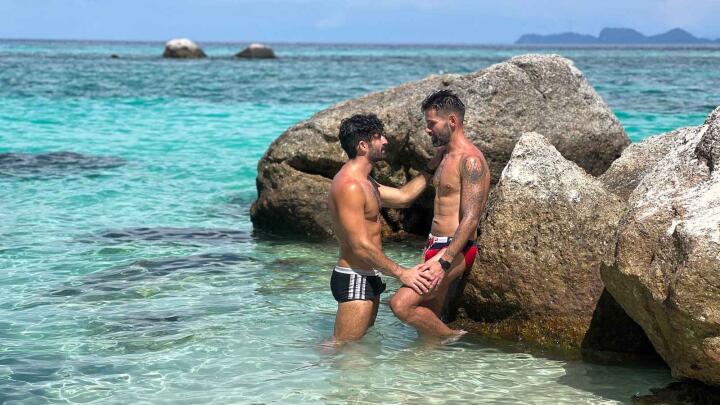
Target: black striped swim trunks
348	284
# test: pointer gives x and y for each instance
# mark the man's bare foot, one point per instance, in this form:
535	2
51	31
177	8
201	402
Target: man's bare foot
457	334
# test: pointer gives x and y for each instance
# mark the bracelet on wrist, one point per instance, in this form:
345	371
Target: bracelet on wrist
444	264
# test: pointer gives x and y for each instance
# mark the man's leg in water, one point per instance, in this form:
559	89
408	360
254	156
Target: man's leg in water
376	306
354	318
422	311
437	302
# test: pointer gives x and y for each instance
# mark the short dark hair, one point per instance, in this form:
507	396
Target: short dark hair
444	101
359	127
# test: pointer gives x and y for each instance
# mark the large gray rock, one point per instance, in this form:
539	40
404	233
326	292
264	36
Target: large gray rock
256	51
548	228
539	93
182	48
637	160
667	270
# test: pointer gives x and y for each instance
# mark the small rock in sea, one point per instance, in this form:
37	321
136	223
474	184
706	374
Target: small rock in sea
183	48
256	51
114	56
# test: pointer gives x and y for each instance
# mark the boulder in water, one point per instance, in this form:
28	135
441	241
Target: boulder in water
667	269
256	51
637	159
543	93
183	48
548	228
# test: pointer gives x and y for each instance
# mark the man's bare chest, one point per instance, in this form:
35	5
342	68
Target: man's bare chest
447	178
372	201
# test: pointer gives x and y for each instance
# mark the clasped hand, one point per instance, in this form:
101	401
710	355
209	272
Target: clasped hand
424	277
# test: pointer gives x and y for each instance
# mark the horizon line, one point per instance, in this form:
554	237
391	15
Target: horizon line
360	43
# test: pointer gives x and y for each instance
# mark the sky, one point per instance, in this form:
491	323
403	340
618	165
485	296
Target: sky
347	21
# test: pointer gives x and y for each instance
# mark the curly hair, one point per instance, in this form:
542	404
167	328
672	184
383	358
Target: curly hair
359	127
444	101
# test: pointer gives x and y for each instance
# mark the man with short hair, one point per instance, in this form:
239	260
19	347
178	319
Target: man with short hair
355	201
462	182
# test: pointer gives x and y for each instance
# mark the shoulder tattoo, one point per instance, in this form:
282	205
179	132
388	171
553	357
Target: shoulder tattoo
472	169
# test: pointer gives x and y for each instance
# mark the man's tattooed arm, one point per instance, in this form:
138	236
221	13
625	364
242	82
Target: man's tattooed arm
473	194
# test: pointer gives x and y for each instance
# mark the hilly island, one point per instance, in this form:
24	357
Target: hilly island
617	36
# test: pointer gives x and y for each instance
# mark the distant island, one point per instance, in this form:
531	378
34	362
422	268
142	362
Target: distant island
613	36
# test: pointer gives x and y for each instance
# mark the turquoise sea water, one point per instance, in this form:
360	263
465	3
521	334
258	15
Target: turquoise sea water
130	274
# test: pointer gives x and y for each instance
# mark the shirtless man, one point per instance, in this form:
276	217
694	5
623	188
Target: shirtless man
461	185
355	201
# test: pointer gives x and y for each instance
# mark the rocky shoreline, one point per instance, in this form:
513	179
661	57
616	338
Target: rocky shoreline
587	245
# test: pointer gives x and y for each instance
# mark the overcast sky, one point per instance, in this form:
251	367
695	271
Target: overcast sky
364	21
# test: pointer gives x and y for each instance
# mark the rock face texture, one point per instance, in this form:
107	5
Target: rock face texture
548	228
256	51
637	159
543	93
667	270
182	48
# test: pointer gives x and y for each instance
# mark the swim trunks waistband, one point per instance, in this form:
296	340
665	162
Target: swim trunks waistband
362	272
349	285
435	244
432	239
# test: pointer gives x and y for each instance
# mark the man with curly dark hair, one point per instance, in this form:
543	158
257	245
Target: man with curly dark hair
355	202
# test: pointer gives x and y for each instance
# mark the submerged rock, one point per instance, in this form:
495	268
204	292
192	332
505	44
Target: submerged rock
636	161
256	51
54	164
543	93
680	393
183	48
667	270
183	235
130	280
548	228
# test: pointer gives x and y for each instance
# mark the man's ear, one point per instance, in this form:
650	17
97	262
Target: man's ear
453	121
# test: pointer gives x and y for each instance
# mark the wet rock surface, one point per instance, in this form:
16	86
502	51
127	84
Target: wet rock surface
667	270
680	393
54	164
548	228
543	93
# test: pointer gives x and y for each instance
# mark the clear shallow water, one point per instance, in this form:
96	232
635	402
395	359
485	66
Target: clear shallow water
142	282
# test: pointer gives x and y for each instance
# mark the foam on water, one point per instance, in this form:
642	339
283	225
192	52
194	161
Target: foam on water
141	281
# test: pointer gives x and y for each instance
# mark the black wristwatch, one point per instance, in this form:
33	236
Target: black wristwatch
444	264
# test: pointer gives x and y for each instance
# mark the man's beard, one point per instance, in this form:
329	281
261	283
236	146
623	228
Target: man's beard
377	155
441	138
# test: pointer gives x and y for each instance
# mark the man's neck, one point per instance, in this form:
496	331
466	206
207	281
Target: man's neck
457	139
361	165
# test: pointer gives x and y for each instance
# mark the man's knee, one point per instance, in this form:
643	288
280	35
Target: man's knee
400	306
348	336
